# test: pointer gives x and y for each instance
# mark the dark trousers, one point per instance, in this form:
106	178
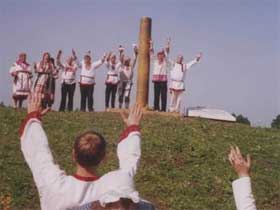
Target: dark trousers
111	90
87	97
160	93
67	90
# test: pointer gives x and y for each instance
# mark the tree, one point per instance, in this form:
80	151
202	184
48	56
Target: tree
276	122
241	119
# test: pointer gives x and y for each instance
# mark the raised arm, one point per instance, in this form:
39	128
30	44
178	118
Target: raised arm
99	63
152	50
242	191
194	61
135	49
167	47
58	59
129	147
121	54
35	148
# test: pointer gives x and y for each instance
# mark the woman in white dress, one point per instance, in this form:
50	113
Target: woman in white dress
22	80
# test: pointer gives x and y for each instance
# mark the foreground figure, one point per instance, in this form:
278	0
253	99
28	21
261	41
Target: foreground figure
177	80
68	80
22	74
126	77
242	190
60	191
118	195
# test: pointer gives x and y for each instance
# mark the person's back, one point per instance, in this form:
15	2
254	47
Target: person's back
57	191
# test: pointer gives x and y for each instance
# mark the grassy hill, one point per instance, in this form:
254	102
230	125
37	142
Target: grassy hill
184	161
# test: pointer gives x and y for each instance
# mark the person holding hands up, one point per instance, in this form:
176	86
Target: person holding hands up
242	189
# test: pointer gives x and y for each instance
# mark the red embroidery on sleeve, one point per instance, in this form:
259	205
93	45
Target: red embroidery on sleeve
36	115
129	130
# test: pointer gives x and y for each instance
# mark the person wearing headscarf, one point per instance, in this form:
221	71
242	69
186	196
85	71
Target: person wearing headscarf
21	72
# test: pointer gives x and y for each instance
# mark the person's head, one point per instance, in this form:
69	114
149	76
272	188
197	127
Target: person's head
126	61
22	58
87	59
70	60
46	57
113	59
89	150
180	59
161	56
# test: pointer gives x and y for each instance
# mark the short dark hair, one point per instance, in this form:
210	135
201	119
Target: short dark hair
90	149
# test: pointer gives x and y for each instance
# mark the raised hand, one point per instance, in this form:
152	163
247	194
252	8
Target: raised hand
240	165
121	49
198	57
74	54
134	116
34	104
135	48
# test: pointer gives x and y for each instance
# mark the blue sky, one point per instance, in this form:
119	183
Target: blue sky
239	38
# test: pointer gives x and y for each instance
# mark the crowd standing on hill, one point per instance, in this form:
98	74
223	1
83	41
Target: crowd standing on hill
119	78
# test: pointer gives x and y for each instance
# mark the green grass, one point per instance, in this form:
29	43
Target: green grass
184	161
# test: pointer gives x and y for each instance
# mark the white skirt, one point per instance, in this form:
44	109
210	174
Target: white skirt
176	85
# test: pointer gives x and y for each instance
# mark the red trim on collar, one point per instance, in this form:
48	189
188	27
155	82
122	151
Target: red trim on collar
32	115
86	179
129	130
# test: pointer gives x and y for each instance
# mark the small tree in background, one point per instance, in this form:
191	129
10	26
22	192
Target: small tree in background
2	104
241	119
276	122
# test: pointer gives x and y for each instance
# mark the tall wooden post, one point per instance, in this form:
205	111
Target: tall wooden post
142	93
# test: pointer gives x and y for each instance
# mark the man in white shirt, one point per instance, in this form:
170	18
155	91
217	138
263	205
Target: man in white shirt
242	190
68	80
58	191
161	66
87	80
177	80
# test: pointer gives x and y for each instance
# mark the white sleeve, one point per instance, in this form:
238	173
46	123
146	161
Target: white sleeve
129	149
191	63
97	64
13	69
243	196
37	154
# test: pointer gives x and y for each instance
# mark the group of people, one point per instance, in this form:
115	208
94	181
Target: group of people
119	78
85	190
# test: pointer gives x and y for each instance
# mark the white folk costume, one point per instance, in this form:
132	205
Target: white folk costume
111	82
68	84
87	82
22	83
242	191
159	78
125	85
112	191
58	191
177	83
44	71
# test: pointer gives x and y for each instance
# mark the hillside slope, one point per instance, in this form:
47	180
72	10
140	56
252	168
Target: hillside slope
184	161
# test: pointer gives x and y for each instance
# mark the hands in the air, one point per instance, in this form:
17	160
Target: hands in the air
134	116
34	104
240	165
198	57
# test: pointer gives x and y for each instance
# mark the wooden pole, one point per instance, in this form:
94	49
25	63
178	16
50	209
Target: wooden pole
142	93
